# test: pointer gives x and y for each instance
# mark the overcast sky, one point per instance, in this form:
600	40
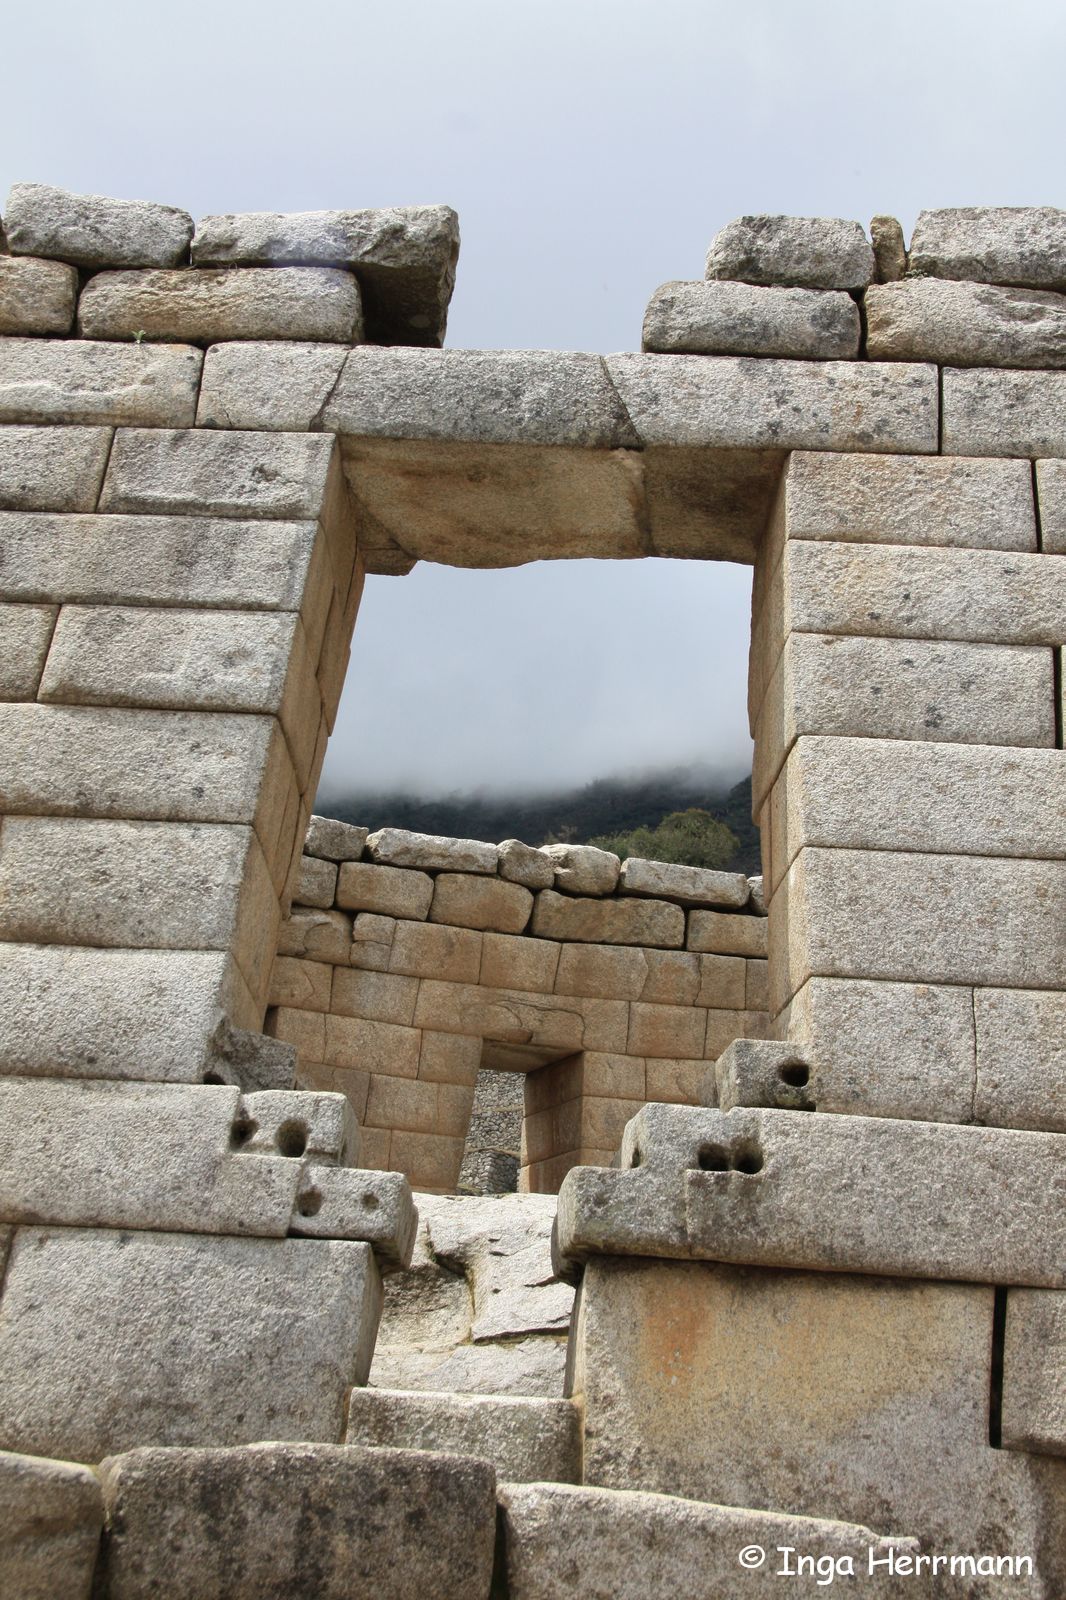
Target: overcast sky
592	148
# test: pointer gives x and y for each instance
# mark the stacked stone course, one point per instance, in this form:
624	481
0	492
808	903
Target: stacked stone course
410	963
822	1308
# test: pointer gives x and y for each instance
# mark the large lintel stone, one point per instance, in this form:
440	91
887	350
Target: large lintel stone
203	306
126	385
110	1339
93	230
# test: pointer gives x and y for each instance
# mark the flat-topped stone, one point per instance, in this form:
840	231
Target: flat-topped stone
965	324
36	296
232	474
398	847
890	249
333	840
52	469
125	385
583	868
403	256
809	252
527	1439
320	303
1024	245
278	384
93	231
741	319
995	413
689	886
645	922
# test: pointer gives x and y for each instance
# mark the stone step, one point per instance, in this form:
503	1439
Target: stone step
527	1440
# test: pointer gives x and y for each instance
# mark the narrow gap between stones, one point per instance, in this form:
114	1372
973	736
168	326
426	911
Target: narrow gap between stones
940	411
995	1396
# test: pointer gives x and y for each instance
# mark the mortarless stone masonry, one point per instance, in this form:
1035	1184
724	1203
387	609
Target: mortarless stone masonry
811	1164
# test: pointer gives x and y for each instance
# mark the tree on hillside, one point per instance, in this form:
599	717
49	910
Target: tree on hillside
693	838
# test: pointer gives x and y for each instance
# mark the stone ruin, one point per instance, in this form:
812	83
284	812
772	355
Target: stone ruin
810	1167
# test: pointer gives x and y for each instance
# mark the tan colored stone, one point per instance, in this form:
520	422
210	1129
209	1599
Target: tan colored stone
193	304
316	935
427	1160
510	962
52	1515
36	296
890	251
391	891
304	1030
419	1106
727	935
723	1026
673	978
675	1082
689	886
433	950
317	883
757	986
513	1017
665	1030
463	900
609	974
331	840
520	863
372	938
643	922
582	868
271	385
377	996
449	1058
722	983
1034	1372
94	230
52	469
397	847
123	385
375	1047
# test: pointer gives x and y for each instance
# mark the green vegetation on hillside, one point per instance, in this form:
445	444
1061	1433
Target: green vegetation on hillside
692	837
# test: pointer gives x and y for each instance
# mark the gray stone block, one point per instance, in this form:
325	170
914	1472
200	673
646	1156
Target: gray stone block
207	473
390	891
909	1198
904	500
275	385
157	561
607	1544
464	900
1021	1058
206	307
70	380
250	1059
527	1440
140	1014
51	1514
36	296
1051	494
334	841
732	402
396	847
92	230
582	868
52	469
990	413
26	632
740	319
374	1207
813	252
527	397
890	251
965	324
521	863
268	1522
1023	245
109	1339
925	918
403	256
645	922
689	886
811	1366
1034	1372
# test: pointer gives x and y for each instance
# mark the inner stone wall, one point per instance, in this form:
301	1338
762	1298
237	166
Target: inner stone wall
411	962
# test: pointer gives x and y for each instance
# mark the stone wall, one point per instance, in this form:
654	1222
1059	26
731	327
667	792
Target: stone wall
410	963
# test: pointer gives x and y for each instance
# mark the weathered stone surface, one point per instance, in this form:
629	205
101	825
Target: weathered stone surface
217	474
552	1025
543	397
740	319
266	1522
156	560
1023	245
270	385
36	296
92	230
70	380
650	922
1021	1058
51	1513
1034	1372
390	891
582	868
26	632
919	689
812	252
731	402
374	1207
888	1049
466	901
749	1187
207	307
52	469
609	1545
316	883
403	256
767	1072
509	962
727	935
990	413
689	886
890	251
111	1339
910	592
876	794
911	500
925	918
818	1358
521	863
1051	493
250	1059
332	840
145	1014
396	847
610	974
965	324
527	1440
